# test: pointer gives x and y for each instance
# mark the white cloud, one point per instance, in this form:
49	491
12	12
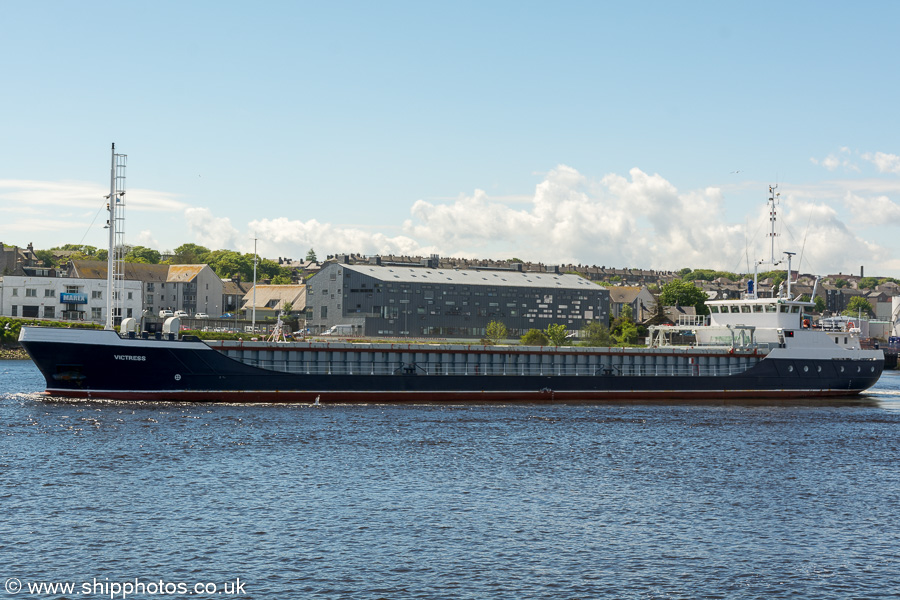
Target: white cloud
641	222
292	238
212	232
876	211
637	221
79	194
885	163
832	162
78	210
825	241
70	194
145	238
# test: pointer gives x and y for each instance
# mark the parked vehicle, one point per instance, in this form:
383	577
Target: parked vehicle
201	316
181	314
339	330
165	314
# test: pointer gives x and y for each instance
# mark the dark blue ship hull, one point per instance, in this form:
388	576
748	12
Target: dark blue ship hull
107	366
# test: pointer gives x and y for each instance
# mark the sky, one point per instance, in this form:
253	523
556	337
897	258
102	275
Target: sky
618	134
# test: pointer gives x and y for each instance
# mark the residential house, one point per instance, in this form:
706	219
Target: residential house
14	260
639	298
270	300
191	288
881	304
837	299
233	292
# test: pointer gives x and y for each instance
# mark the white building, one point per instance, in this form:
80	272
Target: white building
191	288
63	298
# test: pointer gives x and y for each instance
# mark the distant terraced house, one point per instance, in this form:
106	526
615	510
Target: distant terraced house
190	288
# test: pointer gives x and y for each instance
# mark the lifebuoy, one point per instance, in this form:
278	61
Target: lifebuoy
806	323
851	325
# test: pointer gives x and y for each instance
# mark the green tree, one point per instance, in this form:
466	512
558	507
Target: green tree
857	305
287	307
46	257
189	254
269	269
556	333
228	263
623	329
596	334
820	304
496	331
141	254
628	334
841	283
684	293
281	280
534	337
709	275
311	255
81	252
867	283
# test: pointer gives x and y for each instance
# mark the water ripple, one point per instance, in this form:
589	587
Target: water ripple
433	502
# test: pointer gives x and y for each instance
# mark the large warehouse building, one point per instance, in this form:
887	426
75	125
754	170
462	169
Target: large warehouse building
374	300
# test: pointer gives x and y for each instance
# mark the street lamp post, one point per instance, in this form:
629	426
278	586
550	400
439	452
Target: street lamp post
255	258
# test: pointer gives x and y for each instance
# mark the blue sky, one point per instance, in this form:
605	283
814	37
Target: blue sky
640	134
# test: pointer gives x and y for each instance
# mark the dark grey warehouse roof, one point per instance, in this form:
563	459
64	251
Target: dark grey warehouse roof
473	277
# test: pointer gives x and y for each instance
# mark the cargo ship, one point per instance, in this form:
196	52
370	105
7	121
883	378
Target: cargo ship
747	348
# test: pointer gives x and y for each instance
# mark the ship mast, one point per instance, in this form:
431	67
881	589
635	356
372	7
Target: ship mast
115	258
773	200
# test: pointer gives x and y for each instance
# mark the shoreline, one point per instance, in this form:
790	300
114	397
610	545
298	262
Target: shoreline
13	354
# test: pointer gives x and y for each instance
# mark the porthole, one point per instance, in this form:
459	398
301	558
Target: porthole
858	369
805	368
872	369
790	368
819	369
842	368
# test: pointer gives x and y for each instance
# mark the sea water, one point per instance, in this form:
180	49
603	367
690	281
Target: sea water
166	500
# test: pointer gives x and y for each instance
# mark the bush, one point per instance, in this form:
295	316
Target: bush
597	335
10	327
496	331
534	337
557	334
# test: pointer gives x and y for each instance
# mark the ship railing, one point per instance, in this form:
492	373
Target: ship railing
423	370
